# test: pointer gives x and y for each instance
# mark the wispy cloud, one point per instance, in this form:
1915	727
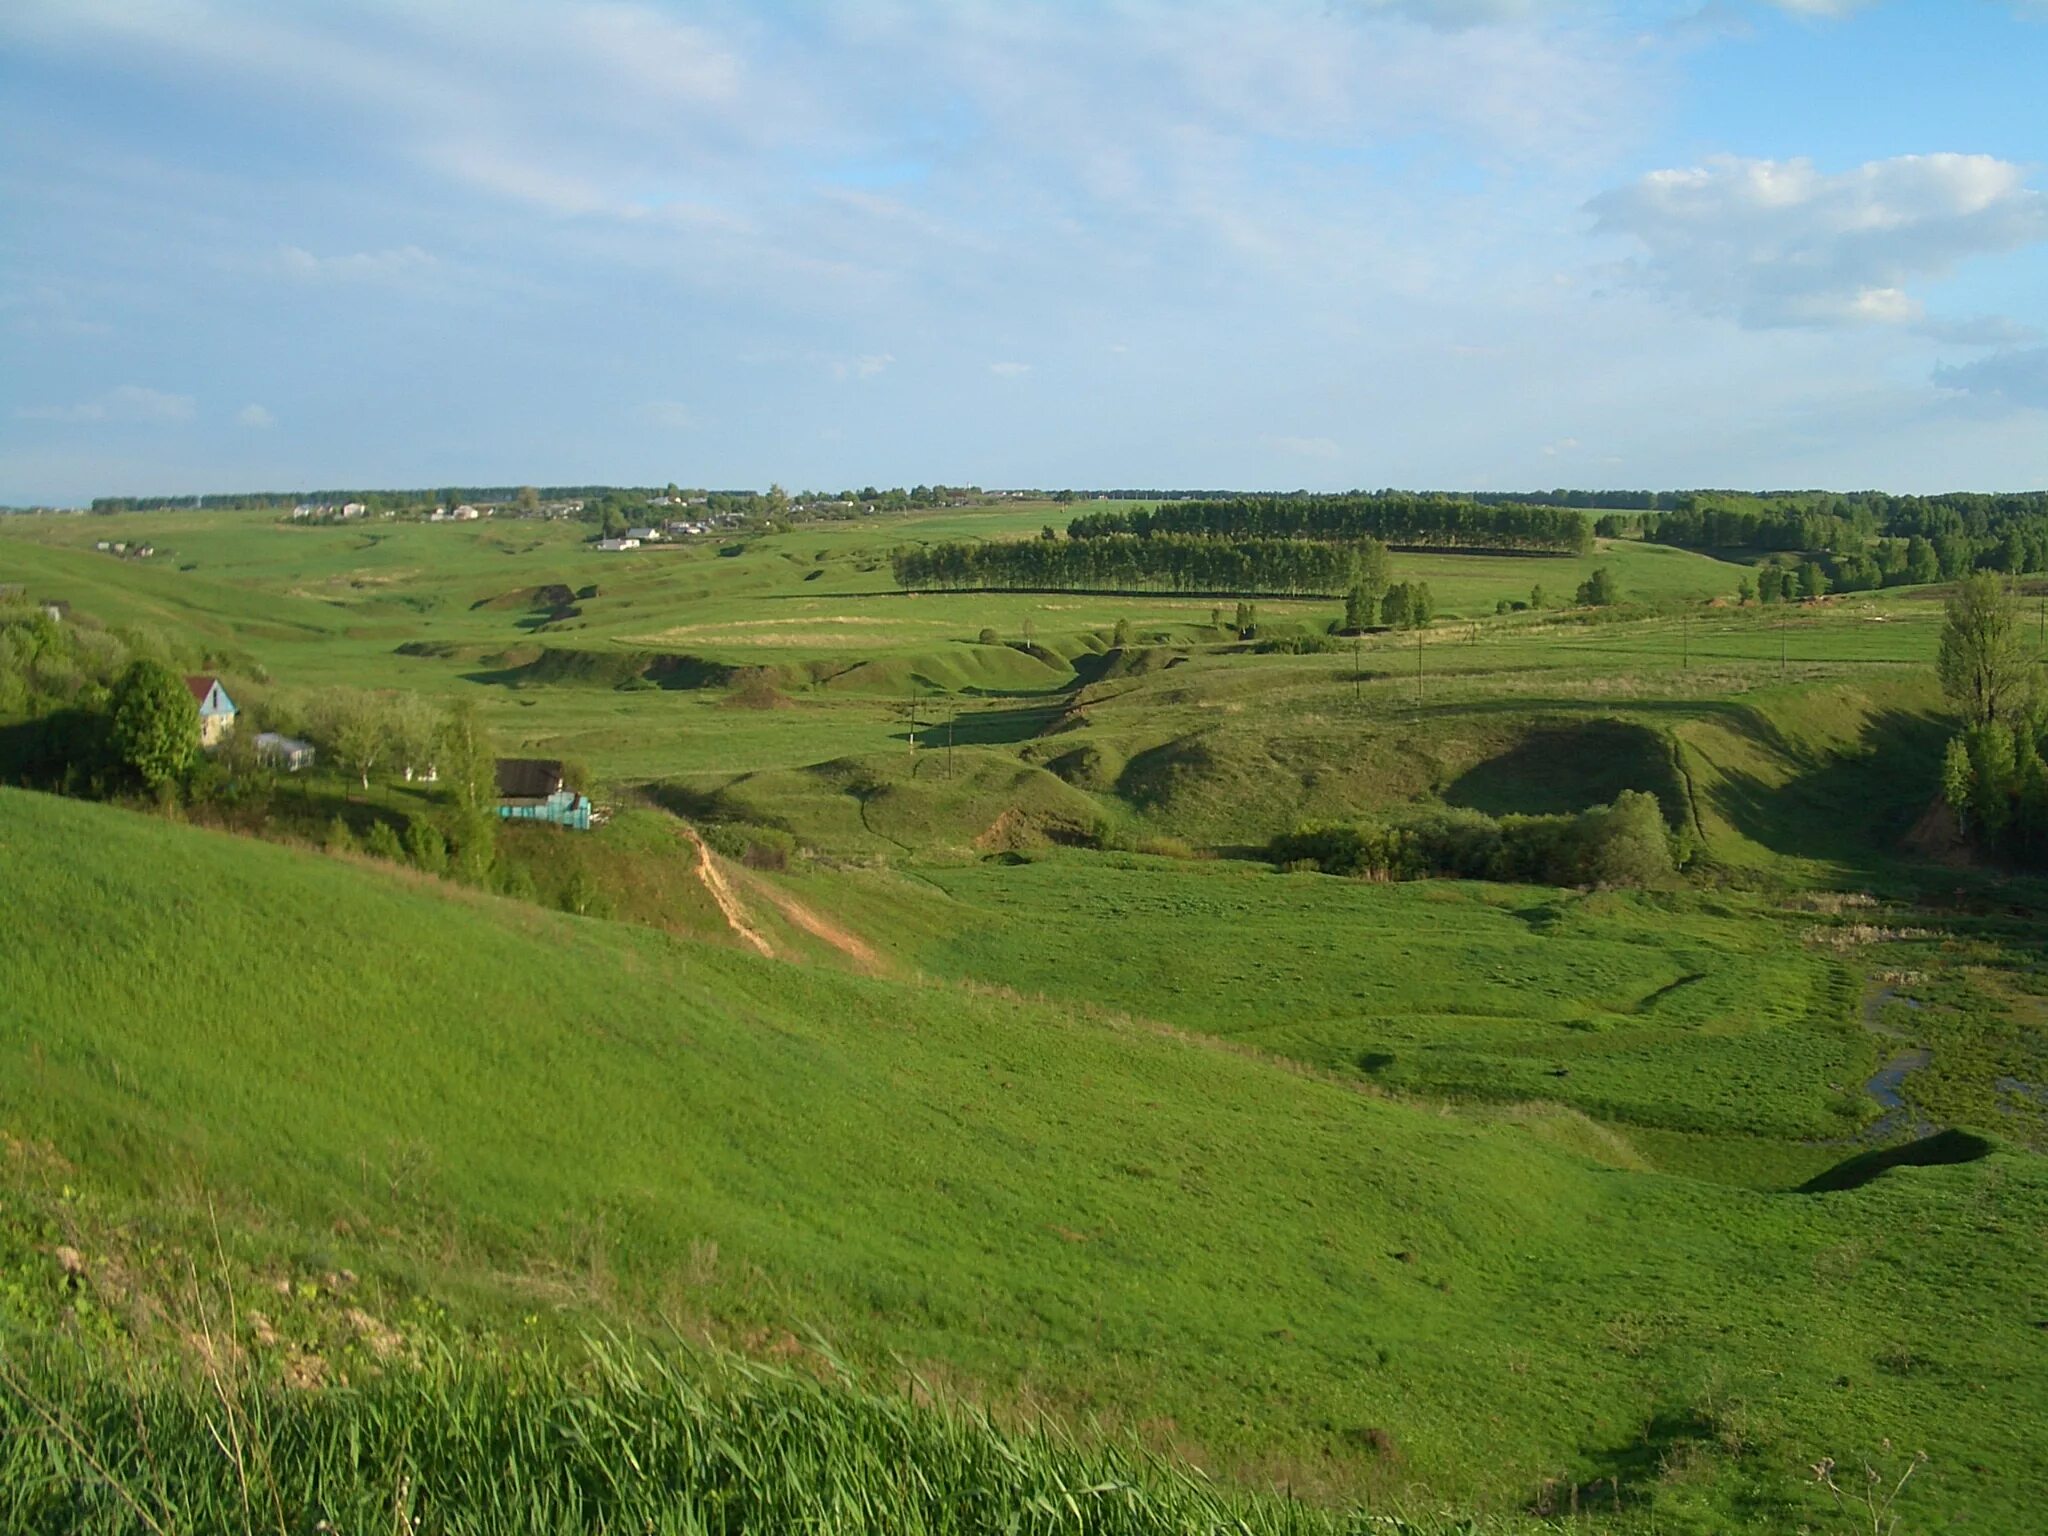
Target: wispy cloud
354	266
255	416
1780	242
2018	377
1826	10
867	365
125	403
1009	370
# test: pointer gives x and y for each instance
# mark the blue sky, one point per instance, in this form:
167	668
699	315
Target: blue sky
1456	243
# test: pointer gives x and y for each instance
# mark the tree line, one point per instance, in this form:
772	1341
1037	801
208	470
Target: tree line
1124	562
1397	519
1868	538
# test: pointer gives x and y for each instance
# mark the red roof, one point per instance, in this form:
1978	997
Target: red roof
200	687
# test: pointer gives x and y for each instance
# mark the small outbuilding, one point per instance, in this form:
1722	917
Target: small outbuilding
533	789
286	752
216	709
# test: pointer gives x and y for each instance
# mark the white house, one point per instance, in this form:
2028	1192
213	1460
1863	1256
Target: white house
465	514
216	709
644	535
617	544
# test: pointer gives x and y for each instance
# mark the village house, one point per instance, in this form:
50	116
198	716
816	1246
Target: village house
216	709
618	544
644	535
532	789
56	610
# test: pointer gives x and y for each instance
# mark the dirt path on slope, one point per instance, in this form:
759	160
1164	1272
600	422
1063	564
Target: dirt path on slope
722	893
851	945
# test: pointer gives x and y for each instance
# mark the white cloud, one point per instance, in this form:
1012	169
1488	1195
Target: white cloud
355	266
1829	10
1009	370
126	403
671	414
255	416
1778	242
2019	376
867	365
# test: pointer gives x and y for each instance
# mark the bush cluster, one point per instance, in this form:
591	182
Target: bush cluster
1626	843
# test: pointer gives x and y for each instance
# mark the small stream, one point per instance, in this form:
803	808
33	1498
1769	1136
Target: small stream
1887	1084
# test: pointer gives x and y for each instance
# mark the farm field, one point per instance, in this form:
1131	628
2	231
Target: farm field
981	1044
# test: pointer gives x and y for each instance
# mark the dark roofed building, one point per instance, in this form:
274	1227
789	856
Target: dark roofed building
533	789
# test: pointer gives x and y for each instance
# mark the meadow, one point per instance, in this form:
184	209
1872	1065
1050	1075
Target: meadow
1056	1101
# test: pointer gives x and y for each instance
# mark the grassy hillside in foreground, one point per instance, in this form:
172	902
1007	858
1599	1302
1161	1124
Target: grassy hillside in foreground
1280	1275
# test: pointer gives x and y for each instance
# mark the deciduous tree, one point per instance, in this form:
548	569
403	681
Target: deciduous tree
155	723
1982	662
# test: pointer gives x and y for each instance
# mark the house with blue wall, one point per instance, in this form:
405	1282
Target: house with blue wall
532	789
216	709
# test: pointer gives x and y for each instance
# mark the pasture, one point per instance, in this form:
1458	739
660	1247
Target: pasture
1448	1197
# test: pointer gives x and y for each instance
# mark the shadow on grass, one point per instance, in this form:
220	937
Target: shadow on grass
1851	808
1558	768
1941	1150
982	727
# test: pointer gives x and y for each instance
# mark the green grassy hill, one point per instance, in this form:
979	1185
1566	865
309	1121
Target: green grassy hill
1037	1204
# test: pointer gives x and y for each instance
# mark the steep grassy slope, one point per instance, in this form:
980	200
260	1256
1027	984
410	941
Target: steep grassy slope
1282	1274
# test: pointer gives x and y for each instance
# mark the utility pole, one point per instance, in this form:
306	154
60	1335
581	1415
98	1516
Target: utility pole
1418	669
1357	672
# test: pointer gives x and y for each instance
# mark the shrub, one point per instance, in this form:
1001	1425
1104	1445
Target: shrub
1626	843
426	847
757	847
382	842
1600	590
338	838
585	897
988	637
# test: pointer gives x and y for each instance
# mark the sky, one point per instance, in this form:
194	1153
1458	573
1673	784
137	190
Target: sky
1321	244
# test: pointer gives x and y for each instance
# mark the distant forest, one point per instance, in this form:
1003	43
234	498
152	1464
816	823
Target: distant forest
1399	520
1123	562
1870	538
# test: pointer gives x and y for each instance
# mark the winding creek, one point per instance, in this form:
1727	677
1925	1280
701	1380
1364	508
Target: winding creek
1887	1084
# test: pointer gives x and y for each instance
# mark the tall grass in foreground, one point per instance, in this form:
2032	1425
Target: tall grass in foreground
630	1442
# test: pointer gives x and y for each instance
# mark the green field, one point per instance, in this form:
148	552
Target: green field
1447	1198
